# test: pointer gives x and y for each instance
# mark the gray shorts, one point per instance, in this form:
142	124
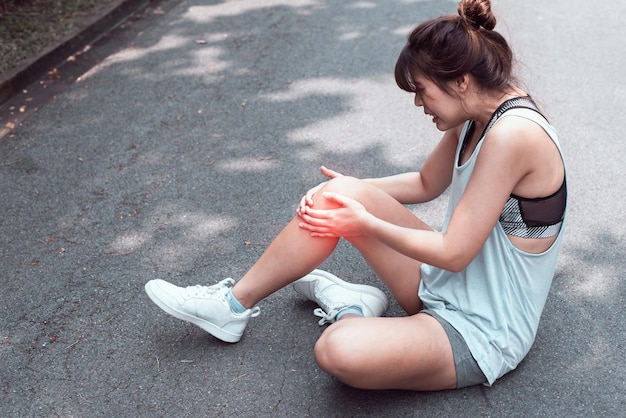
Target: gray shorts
467	371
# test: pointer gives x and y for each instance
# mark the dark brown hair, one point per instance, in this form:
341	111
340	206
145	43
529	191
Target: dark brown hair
448	47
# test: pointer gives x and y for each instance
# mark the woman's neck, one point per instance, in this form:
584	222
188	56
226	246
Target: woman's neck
484	105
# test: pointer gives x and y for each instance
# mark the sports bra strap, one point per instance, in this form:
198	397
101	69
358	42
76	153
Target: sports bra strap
514	103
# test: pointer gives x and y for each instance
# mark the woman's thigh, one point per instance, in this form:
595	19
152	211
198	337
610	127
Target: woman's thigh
411	353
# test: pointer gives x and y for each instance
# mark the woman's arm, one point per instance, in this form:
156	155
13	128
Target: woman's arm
504	160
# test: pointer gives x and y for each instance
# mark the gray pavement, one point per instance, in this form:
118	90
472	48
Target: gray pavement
182	149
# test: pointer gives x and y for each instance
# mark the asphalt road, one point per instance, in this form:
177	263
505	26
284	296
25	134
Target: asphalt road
183	146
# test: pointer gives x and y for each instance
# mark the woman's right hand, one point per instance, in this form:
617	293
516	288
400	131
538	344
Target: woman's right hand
307	200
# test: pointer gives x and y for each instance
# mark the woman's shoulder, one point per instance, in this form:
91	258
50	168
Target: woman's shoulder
514	129
517	141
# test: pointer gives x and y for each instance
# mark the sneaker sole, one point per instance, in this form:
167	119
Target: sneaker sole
360	288
209	327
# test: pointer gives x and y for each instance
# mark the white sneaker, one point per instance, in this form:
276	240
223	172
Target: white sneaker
204	306
333	294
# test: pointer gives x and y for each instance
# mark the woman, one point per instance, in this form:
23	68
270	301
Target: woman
474	291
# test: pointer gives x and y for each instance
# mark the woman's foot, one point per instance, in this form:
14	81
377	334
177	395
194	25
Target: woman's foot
205	306
337	297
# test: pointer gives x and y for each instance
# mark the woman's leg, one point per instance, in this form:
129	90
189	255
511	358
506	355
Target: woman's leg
294	253
410	353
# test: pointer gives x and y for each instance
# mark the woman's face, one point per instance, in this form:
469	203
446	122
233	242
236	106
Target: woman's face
446	110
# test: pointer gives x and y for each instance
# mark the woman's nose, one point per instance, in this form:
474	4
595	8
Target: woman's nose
418	100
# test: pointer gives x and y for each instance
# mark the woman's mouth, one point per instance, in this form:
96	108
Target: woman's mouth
434	118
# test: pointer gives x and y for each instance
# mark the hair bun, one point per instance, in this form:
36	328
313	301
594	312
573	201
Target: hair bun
477	14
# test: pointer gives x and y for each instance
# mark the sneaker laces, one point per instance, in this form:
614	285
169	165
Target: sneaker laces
329	317
328	309
256	311
218	289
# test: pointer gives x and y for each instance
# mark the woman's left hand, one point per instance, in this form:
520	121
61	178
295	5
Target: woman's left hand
346	220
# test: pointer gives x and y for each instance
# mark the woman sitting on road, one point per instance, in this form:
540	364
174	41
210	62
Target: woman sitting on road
473	292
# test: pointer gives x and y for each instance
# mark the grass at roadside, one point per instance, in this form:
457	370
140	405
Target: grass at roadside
30	26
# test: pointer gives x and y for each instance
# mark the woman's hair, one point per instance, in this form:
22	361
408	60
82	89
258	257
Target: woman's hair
448	47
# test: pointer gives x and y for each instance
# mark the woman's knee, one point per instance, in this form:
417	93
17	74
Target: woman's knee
334	351
346	185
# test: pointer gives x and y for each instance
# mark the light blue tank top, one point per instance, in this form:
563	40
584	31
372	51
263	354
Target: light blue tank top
496	302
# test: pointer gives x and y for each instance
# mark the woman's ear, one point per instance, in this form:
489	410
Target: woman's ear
461	84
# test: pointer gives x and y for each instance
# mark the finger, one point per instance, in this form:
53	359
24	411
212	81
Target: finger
315	217
329	173
317	214
324	235
313	228
302	206
311	193
337	198
317	231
